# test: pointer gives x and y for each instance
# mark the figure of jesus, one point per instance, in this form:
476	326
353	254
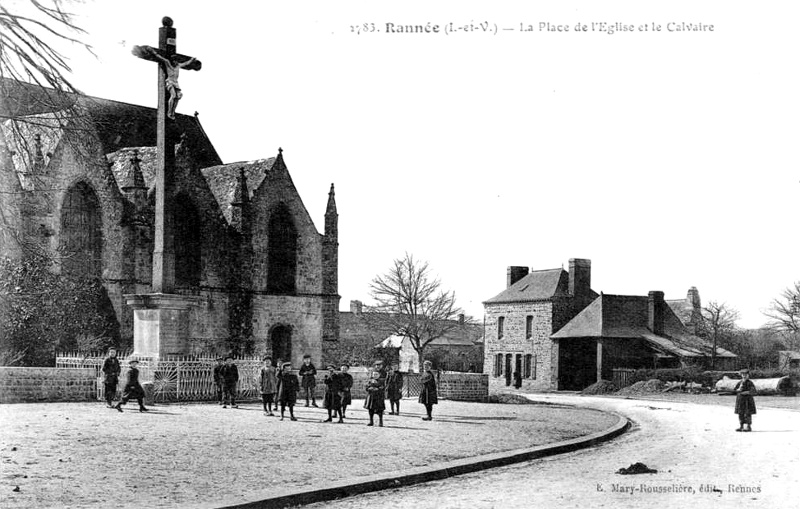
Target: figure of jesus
171	67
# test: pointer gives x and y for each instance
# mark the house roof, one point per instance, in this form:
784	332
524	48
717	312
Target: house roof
625	317
465	335
537	285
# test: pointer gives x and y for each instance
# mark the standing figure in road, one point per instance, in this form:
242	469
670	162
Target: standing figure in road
218	383
268	385
111	370
375	400
345	384
133	389
394	388
428	395
745	404
308	374
287	394
171	68
333	394
230	377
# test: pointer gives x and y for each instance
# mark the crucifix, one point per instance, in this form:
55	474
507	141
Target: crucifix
169	92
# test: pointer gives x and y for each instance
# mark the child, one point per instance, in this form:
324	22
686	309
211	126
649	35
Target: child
345	384
394	388
218	384
374	402
333	397
745	404
278	371
308	374
427	395
133	390
289	385
230	377
268	385
111	370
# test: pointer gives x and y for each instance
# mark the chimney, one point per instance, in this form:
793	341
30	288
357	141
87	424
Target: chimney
693	298
514	274
655	312
355	307
580	276
461	319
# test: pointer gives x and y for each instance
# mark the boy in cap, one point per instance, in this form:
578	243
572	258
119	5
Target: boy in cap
333	394
428	395
745	404
394	388
374	402
308	375
133	390
268	385
289	385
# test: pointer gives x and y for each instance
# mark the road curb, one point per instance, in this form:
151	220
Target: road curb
389	480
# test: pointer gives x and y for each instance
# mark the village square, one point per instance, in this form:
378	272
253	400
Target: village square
175	332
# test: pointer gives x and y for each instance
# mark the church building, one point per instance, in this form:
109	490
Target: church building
263	279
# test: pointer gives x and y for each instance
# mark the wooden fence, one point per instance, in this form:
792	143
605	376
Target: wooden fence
622	377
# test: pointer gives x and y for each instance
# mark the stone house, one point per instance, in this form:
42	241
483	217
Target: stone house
245	246
559	334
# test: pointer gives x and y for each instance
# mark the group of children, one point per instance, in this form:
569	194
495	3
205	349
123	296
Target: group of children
279	386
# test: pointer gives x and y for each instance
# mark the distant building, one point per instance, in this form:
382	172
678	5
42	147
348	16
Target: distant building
559	334
688	310
788	359
461	349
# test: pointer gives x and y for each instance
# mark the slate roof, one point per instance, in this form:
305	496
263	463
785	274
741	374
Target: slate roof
222	180
681	307
625	317
537	285
466	336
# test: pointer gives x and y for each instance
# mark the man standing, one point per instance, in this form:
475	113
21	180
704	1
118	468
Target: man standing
308	376
230	377
218	384
111	370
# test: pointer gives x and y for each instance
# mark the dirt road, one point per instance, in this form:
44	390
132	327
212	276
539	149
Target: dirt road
701	463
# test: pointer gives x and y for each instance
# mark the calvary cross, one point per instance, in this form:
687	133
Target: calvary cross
169	62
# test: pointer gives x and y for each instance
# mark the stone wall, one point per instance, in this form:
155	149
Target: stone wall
28	385
464	386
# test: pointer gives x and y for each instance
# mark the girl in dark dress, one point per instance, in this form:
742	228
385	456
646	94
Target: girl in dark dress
374	402
345	384
428	395
287	394
394	389
332	400
745	404
133	390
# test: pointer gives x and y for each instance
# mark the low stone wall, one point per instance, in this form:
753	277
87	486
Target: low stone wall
28	385
464	386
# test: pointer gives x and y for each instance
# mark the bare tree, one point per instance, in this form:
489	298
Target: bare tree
410	302
784	315
718	324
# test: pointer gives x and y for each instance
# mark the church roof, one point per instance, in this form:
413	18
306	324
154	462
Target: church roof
222	180
538	285
625	317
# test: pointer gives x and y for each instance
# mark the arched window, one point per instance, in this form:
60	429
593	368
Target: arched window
81	242
187	242
281	252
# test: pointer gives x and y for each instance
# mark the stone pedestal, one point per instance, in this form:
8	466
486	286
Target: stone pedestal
161	324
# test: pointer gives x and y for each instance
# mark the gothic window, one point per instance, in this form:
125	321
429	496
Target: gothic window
187	242
281	340
81	243
281	252
528	327
500	326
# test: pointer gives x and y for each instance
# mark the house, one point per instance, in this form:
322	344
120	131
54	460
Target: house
688	310
559	334
788	359
460	349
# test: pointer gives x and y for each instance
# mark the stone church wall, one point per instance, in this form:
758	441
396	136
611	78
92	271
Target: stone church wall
302	314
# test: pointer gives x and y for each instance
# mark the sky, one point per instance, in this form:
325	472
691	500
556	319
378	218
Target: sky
668	158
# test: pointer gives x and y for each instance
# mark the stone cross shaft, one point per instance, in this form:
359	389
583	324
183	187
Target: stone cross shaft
164	245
